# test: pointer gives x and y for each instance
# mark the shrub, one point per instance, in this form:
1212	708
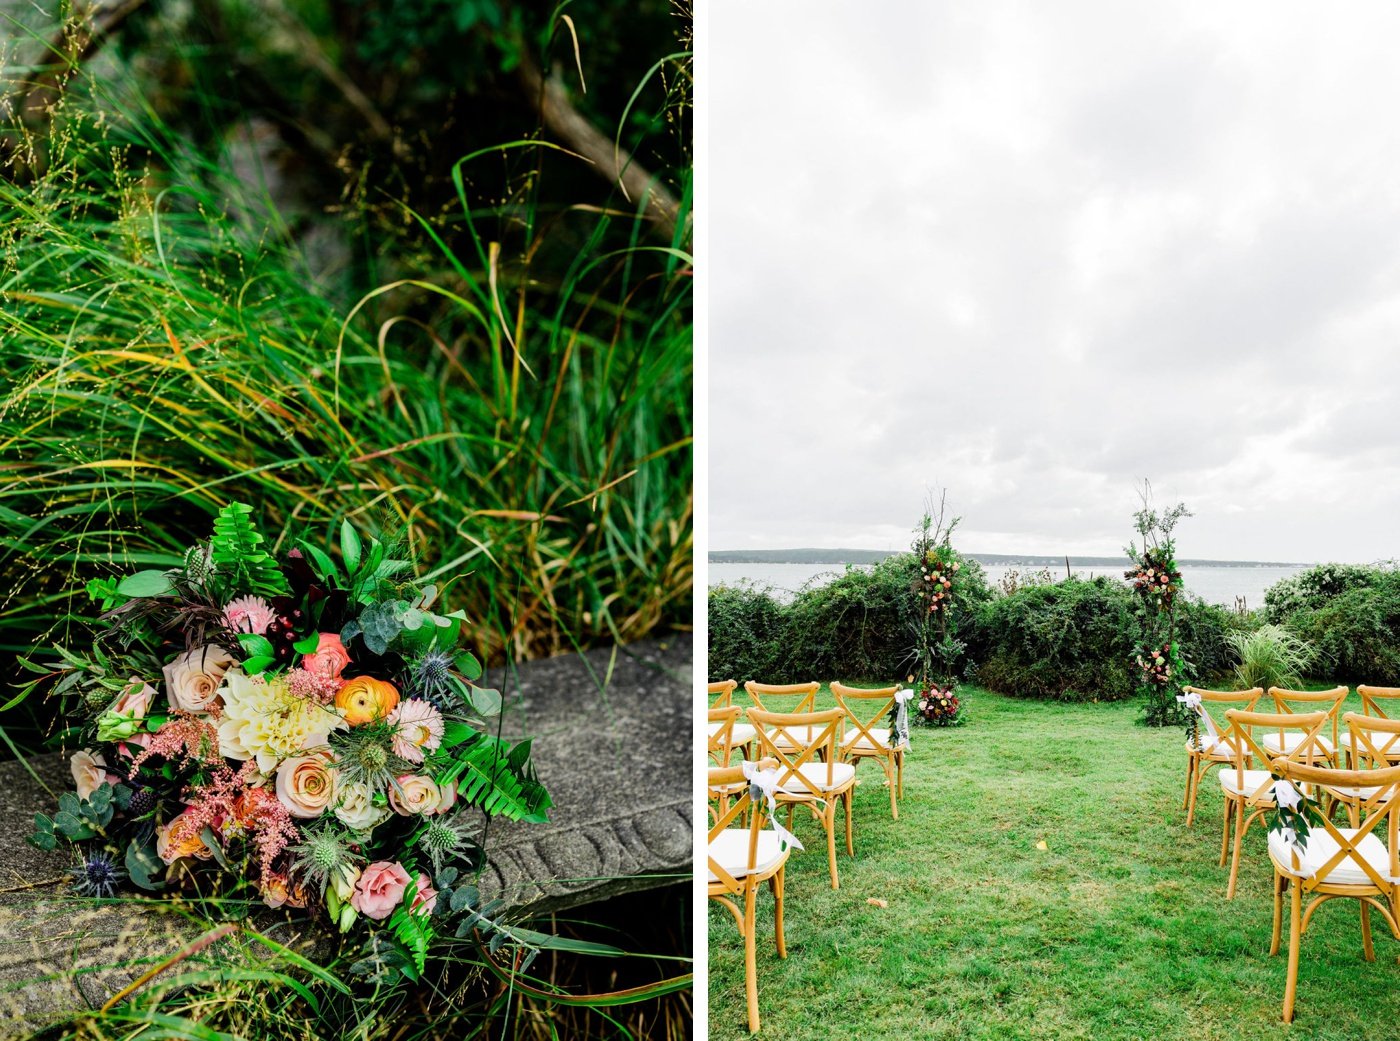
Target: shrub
1357	634
1203	632
746	633
1070	641
1315	588
1270	656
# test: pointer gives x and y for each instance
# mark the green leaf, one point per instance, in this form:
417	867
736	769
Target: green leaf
211	843
254	666
307	644
145	583
350	547
323	566
141	864
486	701
255	645
72	826
468	665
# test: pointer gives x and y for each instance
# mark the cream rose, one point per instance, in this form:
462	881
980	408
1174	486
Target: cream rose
306	785
415	794
192	680
356	808
89	772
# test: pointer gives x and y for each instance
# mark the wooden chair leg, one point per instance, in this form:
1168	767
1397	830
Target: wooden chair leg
776	882
1367	949
1224	832
1239	842
850	843
1186	799
750	962
899	757
1295	936
1278	912
889	775
829	821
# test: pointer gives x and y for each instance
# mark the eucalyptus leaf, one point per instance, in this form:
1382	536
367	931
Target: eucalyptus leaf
141	864
486	701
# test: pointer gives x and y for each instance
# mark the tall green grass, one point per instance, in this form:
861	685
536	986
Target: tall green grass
519	406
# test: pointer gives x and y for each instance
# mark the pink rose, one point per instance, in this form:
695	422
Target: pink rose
89	772
329	658
379	890
425	899
416	794
136	700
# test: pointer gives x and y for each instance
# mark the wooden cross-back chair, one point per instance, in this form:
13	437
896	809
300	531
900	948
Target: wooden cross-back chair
1370	744
1329	701
722	693
740	860
1381	703
811	773
1337	862
1249	792
725	730
785	697
864	740
1208	751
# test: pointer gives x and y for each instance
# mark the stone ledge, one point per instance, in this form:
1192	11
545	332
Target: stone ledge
612	739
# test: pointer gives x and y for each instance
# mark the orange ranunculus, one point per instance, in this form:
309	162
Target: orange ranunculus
365	699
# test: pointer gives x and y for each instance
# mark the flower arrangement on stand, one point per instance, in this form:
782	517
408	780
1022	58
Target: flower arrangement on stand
297	731
1156	579
935	587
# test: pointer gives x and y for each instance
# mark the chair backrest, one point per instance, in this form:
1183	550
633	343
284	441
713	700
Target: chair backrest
1372	740
774	697
725	691
1221	701
1241	744
882	699
1386	807
795	739
1329	701
1374	703
722	780
722	739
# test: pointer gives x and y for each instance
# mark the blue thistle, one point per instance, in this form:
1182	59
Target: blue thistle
431	676
97	875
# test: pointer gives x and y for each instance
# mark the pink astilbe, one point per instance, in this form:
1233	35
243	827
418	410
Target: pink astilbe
273	832
249	614
315	686
184	739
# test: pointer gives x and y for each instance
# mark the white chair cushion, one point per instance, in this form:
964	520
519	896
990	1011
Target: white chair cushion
743	733
841	773
1221	746
1321	847
880	734
730	850
1291	740
1230	782
1352	793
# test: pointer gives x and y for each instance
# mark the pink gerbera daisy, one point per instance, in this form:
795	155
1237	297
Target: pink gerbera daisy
418	729
249	614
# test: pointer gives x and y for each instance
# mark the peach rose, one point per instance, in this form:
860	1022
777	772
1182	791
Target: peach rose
329	658
279	891
192	680
379	890
89	772
416	794
306	785
365	699
181	838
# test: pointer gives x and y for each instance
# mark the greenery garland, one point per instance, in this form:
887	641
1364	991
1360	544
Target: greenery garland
1156	579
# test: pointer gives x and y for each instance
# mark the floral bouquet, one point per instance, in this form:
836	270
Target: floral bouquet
1161	665
1155	576
934	585
301	730
938	706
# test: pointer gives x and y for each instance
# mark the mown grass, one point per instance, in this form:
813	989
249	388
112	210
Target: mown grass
1118	929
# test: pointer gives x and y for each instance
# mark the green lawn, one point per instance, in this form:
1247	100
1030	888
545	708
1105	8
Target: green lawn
1120	929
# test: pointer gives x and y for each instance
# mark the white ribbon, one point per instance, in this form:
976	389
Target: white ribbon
901	718
765	783
1211	738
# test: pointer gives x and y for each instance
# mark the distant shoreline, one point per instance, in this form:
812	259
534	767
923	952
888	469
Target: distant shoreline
866	556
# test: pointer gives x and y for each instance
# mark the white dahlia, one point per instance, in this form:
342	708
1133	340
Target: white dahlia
263	720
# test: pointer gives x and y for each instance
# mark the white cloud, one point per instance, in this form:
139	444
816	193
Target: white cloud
1036	252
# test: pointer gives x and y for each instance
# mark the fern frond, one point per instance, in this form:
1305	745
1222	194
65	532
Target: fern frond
490	776
237	553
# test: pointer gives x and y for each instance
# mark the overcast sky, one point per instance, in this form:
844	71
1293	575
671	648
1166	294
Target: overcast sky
1035	252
